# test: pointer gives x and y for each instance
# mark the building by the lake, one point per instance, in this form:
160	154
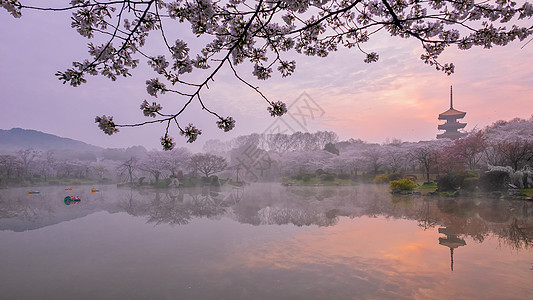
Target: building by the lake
451	126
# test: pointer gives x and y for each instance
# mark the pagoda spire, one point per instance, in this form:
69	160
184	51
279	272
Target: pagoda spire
451	258
451	97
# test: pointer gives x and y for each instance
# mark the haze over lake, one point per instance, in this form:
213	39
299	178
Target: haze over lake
262	241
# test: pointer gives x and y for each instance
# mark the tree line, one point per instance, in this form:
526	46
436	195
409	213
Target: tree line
267	157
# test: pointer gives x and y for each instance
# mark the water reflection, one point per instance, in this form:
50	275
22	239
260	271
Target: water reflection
263	241
269	204
452	241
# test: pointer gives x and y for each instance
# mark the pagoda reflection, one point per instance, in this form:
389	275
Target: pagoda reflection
452	241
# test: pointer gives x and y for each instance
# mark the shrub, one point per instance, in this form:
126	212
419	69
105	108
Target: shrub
403	184
320	172
105	180
462	176
343	176
447	183
303	176
396	176
163	183
381	178
493	180
469	184
214	180
327	177
306	177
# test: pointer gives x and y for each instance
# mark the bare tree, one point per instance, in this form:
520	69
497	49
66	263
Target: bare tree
9	166
426	156
154	164
176	160
26	157
515	151
128	167
207	164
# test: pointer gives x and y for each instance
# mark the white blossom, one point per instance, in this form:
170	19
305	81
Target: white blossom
191	133
150	110
106	124
261	72
226	124
277	109
153	86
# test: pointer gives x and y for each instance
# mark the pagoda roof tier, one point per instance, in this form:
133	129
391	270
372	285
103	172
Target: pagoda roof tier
452	114
448	126
450	135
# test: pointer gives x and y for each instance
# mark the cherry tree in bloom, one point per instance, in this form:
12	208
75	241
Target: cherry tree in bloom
395	157
470	148
373	158
306	161
262	34
426	155
511	142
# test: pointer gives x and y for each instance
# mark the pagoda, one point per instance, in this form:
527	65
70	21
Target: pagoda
451	125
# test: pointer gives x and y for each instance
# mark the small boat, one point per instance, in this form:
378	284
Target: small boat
71	199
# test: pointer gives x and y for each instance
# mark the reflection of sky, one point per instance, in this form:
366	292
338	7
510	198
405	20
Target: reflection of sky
397	97
124	256
377	258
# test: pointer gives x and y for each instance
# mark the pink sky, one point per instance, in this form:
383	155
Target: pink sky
397	97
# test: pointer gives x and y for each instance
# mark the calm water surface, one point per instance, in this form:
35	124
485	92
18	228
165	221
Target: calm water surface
262	241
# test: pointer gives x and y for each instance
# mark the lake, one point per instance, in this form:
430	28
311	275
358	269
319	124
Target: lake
262	241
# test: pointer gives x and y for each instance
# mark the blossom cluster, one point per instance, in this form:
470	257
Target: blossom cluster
106	124
154	86
150	110
191	133
277	109
226	124
12	6
167	142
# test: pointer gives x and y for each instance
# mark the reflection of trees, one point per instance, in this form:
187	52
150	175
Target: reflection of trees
494	211
179	207
298	217
23	207
257	204
168	210
23	211
206	205
519	234
425	218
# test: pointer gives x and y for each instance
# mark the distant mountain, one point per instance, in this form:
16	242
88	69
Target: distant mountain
18	138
